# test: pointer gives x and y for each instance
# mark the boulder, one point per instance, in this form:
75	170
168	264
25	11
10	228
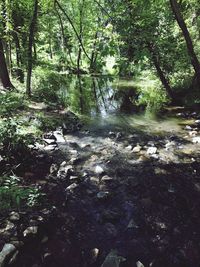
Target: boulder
6	253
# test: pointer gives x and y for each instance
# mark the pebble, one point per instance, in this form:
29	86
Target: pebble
30	231
196	140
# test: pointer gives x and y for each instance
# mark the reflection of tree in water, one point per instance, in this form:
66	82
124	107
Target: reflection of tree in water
99	95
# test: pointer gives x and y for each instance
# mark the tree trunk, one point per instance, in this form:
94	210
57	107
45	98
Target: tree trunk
160	72
190	47
4	75
30	47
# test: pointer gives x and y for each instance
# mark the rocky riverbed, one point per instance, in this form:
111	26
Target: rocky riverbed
113	198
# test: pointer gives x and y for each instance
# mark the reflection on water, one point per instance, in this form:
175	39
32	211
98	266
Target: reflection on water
111	102
99	95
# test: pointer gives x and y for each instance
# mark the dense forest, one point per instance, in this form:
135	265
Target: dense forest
99	133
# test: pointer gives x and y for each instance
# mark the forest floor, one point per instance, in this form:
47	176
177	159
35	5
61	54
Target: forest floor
112	198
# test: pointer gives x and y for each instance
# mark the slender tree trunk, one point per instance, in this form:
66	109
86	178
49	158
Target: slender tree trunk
93	54
4	75
160	72
30	48
79	59
190	47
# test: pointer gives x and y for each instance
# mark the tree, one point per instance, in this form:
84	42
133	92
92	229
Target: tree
190	47
4	75
30	47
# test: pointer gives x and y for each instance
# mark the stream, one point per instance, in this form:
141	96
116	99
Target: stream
125	188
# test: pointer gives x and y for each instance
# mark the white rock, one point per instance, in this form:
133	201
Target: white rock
137	149
99	170
32	230
196	140
152	150
14	216
139	264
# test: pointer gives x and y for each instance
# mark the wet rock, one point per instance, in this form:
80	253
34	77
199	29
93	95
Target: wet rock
111	134
59	136
188	127
49	141
132	224
137	149
83	146
50	147
7	229
139	264
112	259
6	253
74	160
71	187
17	244
30	231
129	147
196	140
93	254
14	216
118	135
65	170
152	150
106	178
99	170
103	195
54	168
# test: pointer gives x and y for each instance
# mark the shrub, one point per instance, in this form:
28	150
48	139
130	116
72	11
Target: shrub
14	196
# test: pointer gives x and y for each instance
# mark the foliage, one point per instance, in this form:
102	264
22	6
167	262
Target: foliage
15	196
10	103
150	94
11	139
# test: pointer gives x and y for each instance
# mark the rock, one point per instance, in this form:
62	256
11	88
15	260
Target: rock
139	264
59	136
187	127
14	216
65	170
118	135
71	187
152	150
103	194
99	170
94	253
111	134
132	224
49	141
137	149
196	140
6	253
83	146
112	259
53	168
106	178
73	160
30	231
197	122
129	147
17	244
50	147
